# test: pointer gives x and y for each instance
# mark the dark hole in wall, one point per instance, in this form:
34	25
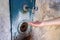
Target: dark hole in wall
24	26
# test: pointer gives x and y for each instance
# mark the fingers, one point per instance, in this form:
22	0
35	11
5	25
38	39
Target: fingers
32	24
35	24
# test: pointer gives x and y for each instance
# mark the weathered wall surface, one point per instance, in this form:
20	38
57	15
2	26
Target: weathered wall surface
4	20
47	10
43	33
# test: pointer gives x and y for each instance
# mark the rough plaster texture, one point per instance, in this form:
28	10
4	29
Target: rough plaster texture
4	20
47	10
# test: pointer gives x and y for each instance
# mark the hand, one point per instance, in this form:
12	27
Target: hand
36	24
45	23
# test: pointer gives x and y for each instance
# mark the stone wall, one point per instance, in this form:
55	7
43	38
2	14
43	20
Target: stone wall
4	20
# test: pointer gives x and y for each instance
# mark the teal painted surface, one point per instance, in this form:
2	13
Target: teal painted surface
18	17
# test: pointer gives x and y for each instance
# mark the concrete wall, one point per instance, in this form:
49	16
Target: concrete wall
4	20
